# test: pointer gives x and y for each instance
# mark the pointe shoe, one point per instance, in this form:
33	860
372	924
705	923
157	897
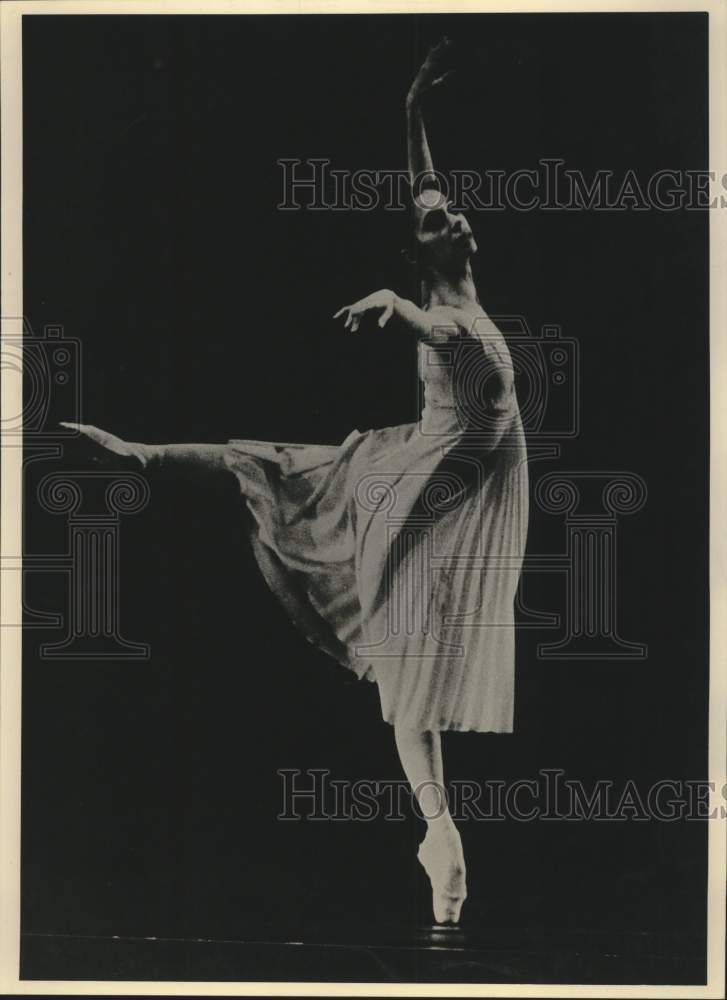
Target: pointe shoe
445	869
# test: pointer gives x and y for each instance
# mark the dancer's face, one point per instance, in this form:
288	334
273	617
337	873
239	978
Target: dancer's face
442	233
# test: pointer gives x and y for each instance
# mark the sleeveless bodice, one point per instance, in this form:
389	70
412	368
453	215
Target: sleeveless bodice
439	412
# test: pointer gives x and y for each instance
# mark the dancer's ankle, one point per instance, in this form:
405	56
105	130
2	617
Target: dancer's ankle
443	828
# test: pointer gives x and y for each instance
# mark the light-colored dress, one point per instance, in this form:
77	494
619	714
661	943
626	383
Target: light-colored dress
398	552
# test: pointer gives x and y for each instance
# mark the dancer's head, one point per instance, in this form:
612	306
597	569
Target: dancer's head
442	239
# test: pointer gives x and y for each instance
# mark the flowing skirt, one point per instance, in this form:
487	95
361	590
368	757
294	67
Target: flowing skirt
398	554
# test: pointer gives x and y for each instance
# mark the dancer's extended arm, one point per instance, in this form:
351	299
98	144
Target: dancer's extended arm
433	324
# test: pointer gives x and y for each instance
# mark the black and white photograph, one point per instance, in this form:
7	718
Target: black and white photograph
362	507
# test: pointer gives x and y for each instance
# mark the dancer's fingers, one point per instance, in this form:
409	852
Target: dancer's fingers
343	309
438	51
356	322
440	79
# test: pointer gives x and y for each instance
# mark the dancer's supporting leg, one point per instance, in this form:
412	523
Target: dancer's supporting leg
440	853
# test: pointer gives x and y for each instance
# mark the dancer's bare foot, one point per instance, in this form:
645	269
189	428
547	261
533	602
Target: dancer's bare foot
111	443
440	854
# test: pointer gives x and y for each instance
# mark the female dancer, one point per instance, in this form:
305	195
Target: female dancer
399	551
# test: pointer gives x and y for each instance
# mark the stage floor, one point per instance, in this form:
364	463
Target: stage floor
372	954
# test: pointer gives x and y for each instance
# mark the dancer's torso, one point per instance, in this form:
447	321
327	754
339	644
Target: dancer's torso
442	412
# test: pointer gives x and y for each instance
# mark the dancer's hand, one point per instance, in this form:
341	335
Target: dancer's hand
381	303
110	441
433	70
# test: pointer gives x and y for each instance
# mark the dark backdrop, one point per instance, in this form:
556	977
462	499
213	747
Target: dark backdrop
152	235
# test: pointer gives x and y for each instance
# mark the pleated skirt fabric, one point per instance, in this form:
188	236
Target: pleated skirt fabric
398	553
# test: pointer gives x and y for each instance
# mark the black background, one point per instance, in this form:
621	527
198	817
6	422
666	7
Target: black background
151	233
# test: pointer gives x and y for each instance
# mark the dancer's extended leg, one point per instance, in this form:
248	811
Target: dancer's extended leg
195	458
440	853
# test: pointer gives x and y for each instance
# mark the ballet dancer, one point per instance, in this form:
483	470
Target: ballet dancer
423	523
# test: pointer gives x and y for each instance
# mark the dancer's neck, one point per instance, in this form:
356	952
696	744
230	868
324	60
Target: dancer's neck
452	288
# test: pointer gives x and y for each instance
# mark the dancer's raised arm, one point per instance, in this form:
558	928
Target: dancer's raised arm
440	232
432	72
